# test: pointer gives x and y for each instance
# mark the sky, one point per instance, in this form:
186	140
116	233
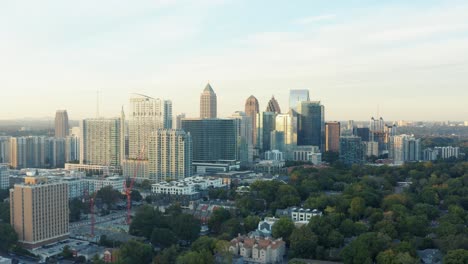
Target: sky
403	60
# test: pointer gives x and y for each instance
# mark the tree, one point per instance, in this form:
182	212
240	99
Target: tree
459	256
134	252
4	212
67	253
8	237
108	195
391	257
219	216
163	237
251	222
231	227
357	207
364	249
76	206
303	242
185	226
194	257
135	195
283	228
204	243
168	255
145	220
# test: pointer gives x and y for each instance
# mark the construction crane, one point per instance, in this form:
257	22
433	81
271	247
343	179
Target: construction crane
92	199
128	189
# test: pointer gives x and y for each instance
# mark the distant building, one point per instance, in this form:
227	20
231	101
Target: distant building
371	148
362	132
274	155
265	226
405	148
277	140
169	155
251	110
307	154
5	146
245	140
429	154
61	124
287	123
351	150
208	103
100	142
332	136
39	213
273	106
447	152
36	152
296	97
298	215
187	186
4	177
179	118
213	139
265	125
258	250
72	148
311	124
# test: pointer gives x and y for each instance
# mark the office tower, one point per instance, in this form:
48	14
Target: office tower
4	177
100	141
362	132
244	132
61	124
265	124
350	124
208	103
39	213
213	139
351	150
273	106
5	146
277	141
287	123
146	116
57	154
72	149
332	136
169	155
296	97
311	124
252	109
123	136
179	118
405	148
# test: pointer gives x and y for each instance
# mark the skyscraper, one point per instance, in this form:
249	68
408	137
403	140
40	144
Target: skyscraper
251	110
332	136
146	116
179	118
265	125
39	213
61	124
170	155
287	123
100	141
297	96
273	106
351	150
208	103
405	148
311	124
4	177
213	139
244	132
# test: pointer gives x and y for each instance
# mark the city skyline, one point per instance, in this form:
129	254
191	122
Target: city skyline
407	61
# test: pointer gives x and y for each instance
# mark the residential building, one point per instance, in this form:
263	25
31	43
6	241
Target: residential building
273	106
298	215
213	139
447	152
258	250
100	142
351	150
187	186
179	118
39	213
296	97
332	136
306	153
251	110
5	146
61	124
96	183
274	155
72	148
4	177
429	154
311	124
405	148
169	155
208	103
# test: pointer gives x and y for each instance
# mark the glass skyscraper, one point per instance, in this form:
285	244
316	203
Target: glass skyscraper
297	96
311	124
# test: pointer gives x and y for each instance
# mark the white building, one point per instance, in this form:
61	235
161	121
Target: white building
95	184
187	186
404	148
447	152
4	177
77	187
304	215
274	155
258	250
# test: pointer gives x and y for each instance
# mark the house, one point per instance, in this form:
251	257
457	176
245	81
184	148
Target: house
258	250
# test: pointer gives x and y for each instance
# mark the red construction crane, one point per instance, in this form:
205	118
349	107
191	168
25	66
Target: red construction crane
105	172
128	190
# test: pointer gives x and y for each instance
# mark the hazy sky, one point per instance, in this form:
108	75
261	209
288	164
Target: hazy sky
409	58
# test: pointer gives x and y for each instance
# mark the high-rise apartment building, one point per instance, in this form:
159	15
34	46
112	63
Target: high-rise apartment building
273	106
266	122
100	142
351	150
332	136
179	118
72	149
311	124
296	97
39	213
61	124
5	146
244	132
208	103
251	110
404	148
4	177
169	155
213	139
146	116
287	123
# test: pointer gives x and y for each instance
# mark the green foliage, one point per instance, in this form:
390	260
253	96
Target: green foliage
283	228
76	208
218	217
108	195
194	257
67	253
8	237
365	248
135	195
303	243
204	243
185	226
145	220
4	212
459	256
251	222
168	255
163	237
134	252
357	207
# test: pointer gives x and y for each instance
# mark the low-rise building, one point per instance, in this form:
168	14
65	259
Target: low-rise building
187	186
298	215
258	250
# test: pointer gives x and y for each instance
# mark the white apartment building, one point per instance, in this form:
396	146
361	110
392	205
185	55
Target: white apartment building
258	250
100	141
187	186
304	215
447	152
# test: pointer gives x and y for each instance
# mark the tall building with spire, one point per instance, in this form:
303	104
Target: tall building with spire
208	103
61	124
273	106
251	110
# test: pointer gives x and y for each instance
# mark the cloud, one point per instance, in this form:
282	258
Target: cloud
313	19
